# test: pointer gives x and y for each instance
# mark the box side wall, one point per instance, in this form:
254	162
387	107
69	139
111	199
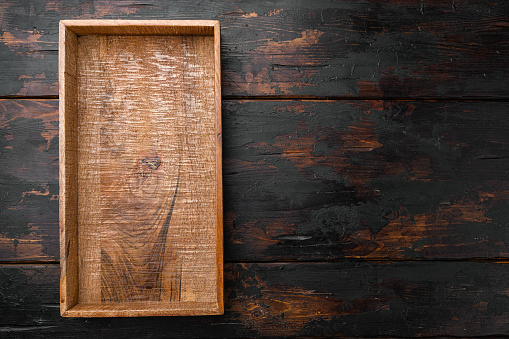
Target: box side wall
219	171
68	168
141	27
140	309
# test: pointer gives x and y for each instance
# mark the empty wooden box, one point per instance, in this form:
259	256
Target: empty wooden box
140	168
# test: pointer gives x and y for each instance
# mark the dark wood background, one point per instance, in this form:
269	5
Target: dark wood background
365	168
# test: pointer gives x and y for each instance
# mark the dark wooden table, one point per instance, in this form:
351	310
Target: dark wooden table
366	170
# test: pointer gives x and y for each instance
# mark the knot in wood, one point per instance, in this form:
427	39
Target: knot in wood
258	312
152	163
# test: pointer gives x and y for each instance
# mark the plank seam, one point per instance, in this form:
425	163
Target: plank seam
305	98
276	262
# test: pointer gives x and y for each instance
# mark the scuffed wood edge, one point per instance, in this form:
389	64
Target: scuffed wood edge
219	159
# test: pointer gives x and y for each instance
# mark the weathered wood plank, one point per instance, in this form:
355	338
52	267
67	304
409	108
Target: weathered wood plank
307	180
371	179
28	179
267	300
353	48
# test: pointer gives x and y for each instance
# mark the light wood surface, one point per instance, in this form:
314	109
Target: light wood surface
219	167
149	190
68	169
142	27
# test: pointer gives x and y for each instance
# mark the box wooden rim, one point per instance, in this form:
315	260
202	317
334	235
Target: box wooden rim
69	30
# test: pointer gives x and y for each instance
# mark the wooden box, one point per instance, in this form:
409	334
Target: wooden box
140	168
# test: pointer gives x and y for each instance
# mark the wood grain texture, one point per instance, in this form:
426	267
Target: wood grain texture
322	180
68	169
147	165
218	164
351	299
141	27
352	48
147	212
308	180
420	184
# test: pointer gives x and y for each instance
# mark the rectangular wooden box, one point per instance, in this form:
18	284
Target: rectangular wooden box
140	168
